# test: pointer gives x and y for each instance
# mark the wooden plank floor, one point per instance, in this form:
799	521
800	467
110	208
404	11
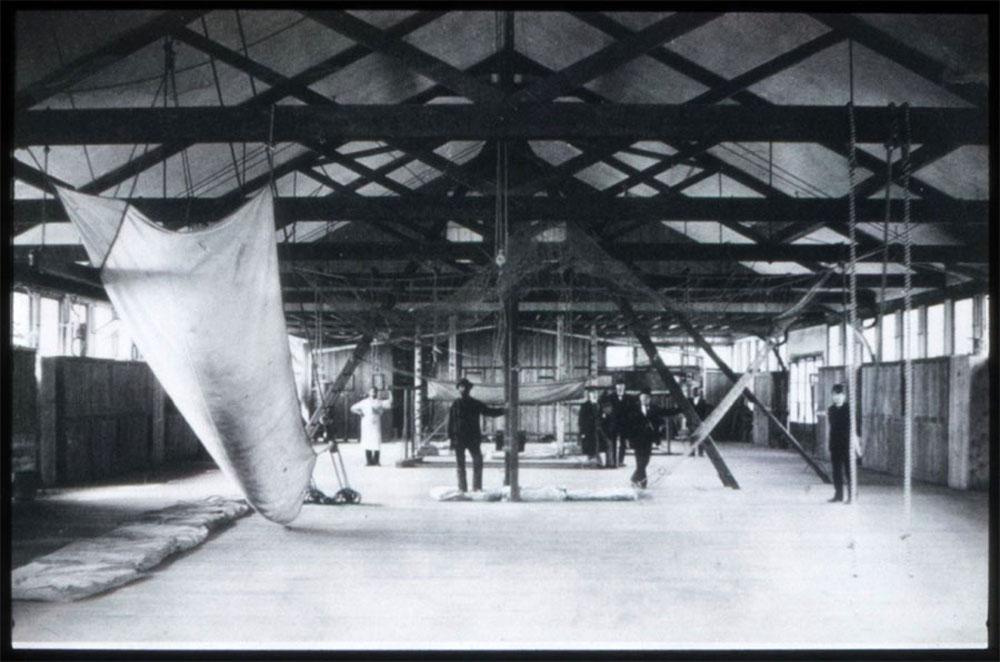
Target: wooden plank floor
772	565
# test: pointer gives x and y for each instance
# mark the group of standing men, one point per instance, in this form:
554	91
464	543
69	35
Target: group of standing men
610	423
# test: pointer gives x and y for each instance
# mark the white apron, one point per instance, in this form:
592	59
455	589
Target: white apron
370	410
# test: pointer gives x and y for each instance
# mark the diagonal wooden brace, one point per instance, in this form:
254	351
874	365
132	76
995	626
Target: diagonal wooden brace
642	335
728	372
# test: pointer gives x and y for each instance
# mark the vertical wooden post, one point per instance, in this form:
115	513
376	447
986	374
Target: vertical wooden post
561	374
921	332
511	394
594	350
418	382
879	330
949	327
453	348
979	344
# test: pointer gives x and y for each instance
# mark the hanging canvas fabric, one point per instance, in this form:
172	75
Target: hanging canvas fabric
204	308
302	367
539	393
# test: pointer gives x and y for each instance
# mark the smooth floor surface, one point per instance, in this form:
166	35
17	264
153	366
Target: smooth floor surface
772	565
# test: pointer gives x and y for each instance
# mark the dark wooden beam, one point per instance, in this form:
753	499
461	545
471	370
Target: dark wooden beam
262	101
641	334
632	251
732	377
919	158
710	79
119	47
309	124
611	57
420	61
770	68
910	58
594	206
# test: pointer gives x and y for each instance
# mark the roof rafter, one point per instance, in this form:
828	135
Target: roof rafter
262	100
420	61
66	76
613	56
709	78
900	53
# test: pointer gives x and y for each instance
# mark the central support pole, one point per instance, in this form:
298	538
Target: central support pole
642	335
511	394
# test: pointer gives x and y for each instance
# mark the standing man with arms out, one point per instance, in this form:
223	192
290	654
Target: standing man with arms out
370	410
465	434
838	418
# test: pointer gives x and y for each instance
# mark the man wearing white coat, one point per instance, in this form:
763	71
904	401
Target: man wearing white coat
370	410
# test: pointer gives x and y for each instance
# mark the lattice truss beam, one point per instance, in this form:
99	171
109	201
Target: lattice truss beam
510	95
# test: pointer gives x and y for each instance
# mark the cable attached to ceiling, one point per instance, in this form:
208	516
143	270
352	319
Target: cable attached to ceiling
852	224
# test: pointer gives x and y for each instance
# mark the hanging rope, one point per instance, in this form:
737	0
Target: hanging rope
852	222
907	304
270	155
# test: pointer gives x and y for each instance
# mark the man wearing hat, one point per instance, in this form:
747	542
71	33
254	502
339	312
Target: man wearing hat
649	421
465	434
624	407
588	422
838	417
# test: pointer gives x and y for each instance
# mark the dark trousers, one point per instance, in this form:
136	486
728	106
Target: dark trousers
477	466
622	443
841	459
611	451
642	451
372	457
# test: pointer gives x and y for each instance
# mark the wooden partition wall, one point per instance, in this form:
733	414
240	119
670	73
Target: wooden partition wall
103	418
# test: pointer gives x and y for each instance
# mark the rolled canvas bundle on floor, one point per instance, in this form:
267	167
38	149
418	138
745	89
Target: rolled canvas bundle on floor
204	308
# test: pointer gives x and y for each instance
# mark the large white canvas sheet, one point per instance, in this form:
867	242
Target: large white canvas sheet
204	308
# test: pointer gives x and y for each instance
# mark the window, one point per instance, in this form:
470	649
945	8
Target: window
912	331
935	330
834	345
20	319
889	335
102	336
78	330
48	327
802	388
616	356
985	344
670	355
724	352
870	333
963	327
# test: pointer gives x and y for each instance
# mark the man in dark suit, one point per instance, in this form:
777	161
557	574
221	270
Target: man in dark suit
624	407
646	431
465	434
588	421
838	418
